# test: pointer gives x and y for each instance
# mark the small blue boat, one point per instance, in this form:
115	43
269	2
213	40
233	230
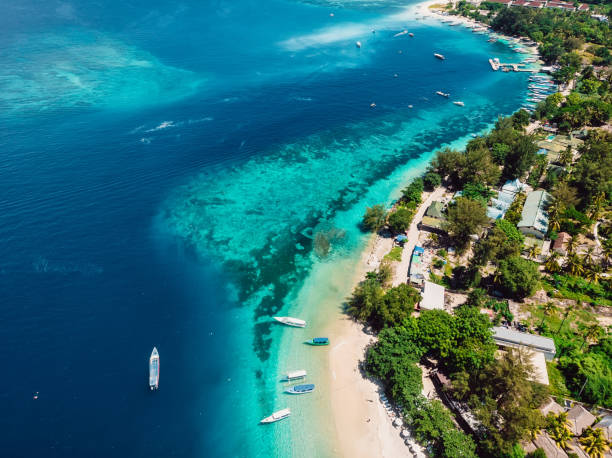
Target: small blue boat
301	389
318	341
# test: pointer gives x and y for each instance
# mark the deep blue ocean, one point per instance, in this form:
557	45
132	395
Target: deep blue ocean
170	172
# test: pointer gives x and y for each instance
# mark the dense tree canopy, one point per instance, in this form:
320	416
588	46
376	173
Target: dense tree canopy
465	217
374	218
518	277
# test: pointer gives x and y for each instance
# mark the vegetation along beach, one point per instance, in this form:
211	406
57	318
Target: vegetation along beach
357	228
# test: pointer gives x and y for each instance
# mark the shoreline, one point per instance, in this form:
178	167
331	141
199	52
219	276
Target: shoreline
363	426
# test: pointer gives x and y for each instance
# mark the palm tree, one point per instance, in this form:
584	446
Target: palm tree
593	273
552	264
591	333
594	443
561	432
533	251
569	309
548	309
588	256
572	243
573	265
596	207
554	213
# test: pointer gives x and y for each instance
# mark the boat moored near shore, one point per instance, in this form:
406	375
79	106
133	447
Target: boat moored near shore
295	375
290	321
301	389
276	416
318	341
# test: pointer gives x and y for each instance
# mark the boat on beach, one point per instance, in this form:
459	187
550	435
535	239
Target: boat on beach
439	56
290	321
276	416
295	375
301	389
154	369
318	341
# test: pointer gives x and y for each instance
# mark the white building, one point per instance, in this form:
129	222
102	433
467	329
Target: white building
433	296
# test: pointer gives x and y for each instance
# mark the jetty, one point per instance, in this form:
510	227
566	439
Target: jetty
496	65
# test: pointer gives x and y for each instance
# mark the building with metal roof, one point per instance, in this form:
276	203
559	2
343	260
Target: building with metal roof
606	425
579	419
505	337
433	296
534	218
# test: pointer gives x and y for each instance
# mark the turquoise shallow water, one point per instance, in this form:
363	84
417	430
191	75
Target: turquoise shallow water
177	174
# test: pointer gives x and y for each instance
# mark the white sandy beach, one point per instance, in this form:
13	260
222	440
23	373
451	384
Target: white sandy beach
363	425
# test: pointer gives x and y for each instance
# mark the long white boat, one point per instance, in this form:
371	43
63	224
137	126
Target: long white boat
277	416
290	321
295	375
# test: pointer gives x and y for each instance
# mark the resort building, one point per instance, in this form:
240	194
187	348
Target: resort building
416	266
579	419
606	425
544	4
434	219
534	219
505	337
560	245
433	296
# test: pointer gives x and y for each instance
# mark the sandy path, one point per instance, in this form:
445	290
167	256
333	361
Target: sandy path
401	269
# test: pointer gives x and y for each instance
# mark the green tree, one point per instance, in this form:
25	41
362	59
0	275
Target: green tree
506	403
591	333
593	170
465	218
366	300
521	157
400	220
548	309
412	192
398	304
552	263
374	218
432	180
519	277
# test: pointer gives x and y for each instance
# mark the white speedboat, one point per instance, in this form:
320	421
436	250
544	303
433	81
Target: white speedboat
461	104
290	321
443	94
277	416
439	56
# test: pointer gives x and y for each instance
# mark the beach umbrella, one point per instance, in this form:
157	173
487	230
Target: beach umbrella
405	433
397	422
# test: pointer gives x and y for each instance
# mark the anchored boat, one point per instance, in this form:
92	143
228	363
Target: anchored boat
443	94
301	389
295	375
461	104
277	416
154	369
439	56
290	321
317	341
